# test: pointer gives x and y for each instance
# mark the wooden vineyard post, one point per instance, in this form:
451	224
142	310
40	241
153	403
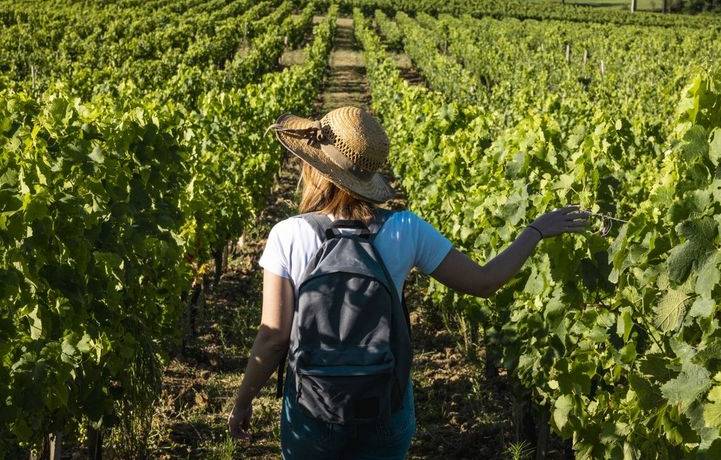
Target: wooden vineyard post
95	444
568	52
226	255
568	450
531	422
33	75
585	56
56	446
206	288
218	259
490	369
633	6
238	246
190	300
51	449
522	414
603	68
542	433
197	289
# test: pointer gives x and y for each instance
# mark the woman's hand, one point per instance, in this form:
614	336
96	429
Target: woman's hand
564	220
239	420
269	348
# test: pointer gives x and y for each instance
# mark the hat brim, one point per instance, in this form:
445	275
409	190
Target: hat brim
375	189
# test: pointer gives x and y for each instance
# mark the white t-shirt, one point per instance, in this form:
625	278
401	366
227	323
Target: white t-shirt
405	241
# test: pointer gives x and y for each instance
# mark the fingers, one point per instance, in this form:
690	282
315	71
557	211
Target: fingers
576	229
577	222
238	427
578	215
570	208
233	429
233	426
239	432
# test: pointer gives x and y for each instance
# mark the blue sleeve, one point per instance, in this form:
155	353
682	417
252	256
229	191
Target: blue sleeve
431	246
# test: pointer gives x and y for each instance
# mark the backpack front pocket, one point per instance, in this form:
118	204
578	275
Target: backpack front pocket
346	394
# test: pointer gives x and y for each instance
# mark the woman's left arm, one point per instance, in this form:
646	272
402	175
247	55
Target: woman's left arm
269	347
462	274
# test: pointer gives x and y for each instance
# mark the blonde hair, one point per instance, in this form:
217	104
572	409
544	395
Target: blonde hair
321	195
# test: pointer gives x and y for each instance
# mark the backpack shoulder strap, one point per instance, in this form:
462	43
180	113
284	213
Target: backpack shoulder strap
318	221
380	218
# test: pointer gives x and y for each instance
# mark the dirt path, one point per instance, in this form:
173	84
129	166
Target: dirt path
459	414
346	83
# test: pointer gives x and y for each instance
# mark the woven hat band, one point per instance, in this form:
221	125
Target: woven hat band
343	162
313	133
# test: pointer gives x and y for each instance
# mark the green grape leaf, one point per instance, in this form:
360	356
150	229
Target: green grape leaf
561	409
700	235
708	276
696	417
711	351
624	324
688	386
85	344
682	349
712	410
714	152
715	189
680	261
702	308
68	351
656	366
35	206
649	396
97	155
701	231
628	352
696	142
670	310
36	326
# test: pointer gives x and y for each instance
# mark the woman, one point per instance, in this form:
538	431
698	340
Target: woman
342	154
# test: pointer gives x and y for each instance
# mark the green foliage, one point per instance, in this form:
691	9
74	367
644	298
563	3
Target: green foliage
442	73
91	263
110	204
626	355
538	10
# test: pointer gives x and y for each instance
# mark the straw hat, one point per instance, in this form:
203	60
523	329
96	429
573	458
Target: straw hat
348	146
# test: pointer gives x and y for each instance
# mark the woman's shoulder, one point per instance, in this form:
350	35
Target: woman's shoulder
289	224
403	217
409	224
292	227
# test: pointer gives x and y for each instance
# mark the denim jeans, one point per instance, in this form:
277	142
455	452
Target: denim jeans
305	438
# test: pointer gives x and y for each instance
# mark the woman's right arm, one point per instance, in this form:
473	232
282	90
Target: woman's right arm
460	273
